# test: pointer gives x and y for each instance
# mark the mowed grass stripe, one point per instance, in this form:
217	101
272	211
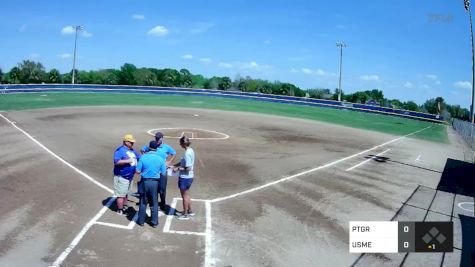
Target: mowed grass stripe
361	120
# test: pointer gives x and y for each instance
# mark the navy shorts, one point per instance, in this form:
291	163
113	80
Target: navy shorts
184	183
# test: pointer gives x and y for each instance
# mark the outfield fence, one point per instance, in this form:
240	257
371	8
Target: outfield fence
89	88
466	130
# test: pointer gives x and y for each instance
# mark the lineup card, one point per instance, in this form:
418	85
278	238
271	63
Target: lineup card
395	237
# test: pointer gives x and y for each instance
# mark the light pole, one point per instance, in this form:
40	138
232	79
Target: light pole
340	45
76	28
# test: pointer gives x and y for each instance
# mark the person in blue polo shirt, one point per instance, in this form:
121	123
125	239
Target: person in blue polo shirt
168	154
125	161
150	166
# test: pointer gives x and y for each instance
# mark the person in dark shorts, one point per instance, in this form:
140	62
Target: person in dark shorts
185	177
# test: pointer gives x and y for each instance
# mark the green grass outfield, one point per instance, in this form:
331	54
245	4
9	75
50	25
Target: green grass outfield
374	122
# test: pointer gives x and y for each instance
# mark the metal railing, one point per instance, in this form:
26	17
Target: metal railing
466	130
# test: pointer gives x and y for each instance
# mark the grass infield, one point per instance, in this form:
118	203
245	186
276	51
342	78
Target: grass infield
368	121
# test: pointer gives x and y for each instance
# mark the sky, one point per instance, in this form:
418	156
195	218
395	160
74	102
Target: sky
410	49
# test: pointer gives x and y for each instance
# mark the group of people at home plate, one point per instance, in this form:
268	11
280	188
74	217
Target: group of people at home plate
153	164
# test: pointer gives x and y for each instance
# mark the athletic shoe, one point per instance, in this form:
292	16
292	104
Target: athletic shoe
183	217
121	213
136	194
154	225
191	213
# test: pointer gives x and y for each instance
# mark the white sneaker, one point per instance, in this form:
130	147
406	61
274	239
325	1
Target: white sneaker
183	217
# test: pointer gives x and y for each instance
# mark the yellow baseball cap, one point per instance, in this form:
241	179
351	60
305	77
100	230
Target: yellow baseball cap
129	138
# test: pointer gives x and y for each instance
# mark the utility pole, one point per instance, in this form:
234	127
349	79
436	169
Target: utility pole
76	28
341	46
472	106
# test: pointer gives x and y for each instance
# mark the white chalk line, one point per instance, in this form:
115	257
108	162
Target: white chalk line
461	204
363	162
224	136
58	157
81	234
209	261
93	221
186	233
168	221
208	233
314	169
113	225
417	159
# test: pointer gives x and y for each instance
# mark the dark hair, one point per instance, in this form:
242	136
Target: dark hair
153	145
185	141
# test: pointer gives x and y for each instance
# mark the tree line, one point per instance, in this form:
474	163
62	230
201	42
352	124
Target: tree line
29	71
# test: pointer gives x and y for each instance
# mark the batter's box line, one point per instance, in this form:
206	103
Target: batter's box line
132	223
171	214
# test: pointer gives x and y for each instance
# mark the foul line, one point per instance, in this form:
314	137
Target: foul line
208	237
81	234
363	162
314	169
58	157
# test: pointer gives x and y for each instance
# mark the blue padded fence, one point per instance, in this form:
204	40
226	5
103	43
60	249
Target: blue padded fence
86	88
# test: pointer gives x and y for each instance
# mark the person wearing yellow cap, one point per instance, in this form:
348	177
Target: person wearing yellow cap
125	162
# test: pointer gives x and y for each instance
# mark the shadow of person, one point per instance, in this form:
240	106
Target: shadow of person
111	204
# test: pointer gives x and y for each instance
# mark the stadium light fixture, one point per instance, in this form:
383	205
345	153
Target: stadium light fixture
341	45
76	28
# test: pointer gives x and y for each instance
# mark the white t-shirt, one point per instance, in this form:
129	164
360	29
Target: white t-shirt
188	160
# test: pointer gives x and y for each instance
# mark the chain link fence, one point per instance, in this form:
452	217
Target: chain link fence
466	130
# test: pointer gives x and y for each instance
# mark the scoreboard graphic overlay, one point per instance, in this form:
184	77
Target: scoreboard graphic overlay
395	237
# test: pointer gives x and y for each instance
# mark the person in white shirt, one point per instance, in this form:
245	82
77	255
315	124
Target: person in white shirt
186	175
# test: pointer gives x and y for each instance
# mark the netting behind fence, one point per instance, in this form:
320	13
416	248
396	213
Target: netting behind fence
466	130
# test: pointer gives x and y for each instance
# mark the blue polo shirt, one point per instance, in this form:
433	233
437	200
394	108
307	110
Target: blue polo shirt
165	150
125	170
150	165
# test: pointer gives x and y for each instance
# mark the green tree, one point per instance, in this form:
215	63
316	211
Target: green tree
319	93
410	105
145	76
243	85
54	76
432	105
212	83
31	72
265	88
395	103
84	77
66	77
186	78
375	94
14	75
224	83
198	81
126	76
107	76
169	77
1	75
